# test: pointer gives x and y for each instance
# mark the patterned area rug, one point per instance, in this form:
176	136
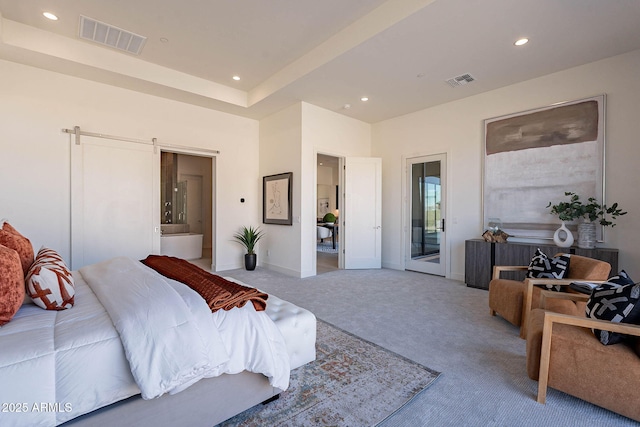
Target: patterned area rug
327	247
352	382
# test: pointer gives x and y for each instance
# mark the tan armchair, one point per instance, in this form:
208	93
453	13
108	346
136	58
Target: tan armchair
563	353
513	299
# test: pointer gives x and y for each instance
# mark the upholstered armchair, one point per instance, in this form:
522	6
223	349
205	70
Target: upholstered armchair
563	353
513	299
323	233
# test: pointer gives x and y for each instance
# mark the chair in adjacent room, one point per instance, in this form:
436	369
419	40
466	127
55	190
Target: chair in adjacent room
514	299
323	233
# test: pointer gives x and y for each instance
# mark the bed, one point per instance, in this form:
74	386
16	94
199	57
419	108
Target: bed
82	366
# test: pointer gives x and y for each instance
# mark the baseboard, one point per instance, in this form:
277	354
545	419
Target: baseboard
282	270
392	266
225	267
457	276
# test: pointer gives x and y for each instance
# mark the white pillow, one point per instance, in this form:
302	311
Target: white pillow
49	282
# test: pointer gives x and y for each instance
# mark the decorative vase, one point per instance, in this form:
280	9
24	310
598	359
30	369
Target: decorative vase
250	261
587	235
563	237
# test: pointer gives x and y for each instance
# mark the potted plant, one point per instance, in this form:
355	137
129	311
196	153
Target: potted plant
329	218
248	238
589	213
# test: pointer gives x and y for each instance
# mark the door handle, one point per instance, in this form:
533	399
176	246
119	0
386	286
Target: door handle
377	227
443	225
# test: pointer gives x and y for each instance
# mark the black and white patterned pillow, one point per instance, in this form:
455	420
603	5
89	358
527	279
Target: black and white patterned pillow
621	279
614	303
543	267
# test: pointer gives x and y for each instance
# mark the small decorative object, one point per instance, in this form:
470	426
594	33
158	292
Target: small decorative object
276	199
563	237
248	238
494	224
495	237
495	234
587	234
590	213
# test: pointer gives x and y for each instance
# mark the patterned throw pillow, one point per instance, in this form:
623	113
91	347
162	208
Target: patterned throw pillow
542	267
10	238
11	284
614	303
621	279
49	281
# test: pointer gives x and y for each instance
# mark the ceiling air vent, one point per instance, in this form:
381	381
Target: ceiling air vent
111	36
460	80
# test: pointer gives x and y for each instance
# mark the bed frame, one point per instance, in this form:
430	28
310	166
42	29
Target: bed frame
206	403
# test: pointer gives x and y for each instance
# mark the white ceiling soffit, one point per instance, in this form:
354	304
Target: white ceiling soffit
109	35
397	53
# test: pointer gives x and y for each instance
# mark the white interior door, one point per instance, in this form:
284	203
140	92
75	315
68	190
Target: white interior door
114	200
425	206
362	217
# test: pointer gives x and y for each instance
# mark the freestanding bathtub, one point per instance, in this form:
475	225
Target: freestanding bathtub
181	245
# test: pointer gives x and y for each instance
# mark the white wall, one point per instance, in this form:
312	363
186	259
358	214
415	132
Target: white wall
36	104
457	129
325	132
280	136
289	142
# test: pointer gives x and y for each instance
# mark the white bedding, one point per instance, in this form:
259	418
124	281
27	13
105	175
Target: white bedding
55	366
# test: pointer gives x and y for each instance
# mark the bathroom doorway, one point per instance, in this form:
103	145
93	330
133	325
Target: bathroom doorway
186	207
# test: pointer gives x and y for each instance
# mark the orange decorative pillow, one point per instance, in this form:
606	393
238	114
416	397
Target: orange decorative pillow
11	284
10	238
49	281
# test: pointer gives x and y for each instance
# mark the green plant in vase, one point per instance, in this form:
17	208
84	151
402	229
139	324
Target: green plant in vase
248	238
590	213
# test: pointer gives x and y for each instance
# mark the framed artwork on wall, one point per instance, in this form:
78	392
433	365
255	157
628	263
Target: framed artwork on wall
323	207
532	158
276	199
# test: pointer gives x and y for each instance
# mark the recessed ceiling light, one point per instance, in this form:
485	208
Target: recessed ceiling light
521	42
50	15
236	78
164	40
364	99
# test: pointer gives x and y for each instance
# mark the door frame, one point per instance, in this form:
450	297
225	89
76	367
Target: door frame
214	192
405	211
340	201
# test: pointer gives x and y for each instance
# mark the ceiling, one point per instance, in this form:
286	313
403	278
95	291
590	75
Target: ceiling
330	53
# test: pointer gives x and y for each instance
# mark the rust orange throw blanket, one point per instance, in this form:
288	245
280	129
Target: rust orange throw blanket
218	292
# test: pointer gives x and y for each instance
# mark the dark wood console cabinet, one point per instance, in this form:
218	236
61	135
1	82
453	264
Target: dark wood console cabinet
481	256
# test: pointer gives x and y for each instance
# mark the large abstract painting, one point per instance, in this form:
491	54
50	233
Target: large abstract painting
534	157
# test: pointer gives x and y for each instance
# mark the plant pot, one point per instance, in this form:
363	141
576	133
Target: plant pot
250	261
563	237
587	235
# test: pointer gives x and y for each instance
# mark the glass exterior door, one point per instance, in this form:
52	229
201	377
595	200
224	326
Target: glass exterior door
426	226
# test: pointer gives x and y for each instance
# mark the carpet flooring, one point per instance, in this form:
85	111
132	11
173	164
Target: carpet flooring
352	382
445	325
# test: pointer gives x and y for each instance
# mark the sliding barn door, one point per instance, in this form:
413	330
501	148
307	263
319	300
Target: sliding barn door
114	200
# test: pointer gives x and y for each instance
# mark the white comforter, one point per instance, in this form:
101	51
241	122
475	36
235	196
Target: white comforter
169	335
71	362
